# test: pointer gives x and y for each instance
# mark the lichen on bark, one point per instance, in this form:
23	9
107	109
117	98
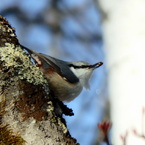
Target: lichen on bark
28	109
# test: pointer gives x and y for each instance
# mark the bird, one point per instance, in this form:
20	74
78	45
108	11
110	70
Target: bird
66	79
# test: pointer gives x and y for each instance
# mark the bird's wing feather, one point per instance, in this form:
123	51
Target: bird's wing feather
49	61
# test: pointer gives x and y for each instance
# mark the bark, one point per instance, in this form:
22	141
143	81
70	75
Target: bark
27	110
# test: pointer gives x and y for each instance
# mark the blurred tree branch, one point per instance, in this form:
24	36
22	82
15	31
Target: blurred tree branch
53	16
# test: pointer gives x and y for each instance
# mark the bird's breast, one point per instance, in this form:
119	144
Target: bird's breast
61	88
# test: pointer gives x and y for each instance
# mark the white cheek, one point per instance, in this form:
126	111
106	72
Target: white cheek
78	72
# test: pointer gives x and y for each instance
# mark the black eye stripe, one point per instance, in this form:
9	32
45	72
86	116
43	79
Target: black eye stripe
82	66
96	65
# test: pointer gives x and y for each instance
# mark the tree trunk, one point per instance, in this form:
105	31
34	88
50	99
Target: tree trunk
124	37
27	110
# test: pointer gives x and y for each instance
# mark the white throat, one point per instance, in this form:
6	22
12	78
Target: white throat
83	74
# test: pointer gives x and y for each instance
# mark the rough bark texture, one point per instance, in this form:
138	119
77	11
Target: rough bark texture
27	112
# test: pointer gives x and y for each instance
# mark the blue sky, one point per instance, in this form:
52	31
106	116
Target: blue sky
88	106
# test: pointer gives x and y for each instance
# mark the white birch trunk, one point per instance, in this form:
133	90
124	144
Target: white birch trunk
124	38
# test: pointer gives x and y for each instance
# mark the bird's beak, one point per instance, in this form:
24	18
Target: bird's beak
96	65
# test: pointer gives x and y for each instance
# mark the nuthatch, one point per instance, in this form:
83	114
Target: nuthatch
66	79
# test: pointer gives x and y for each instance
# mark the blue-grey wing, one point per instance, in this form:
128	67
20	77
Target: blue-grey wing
60	66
